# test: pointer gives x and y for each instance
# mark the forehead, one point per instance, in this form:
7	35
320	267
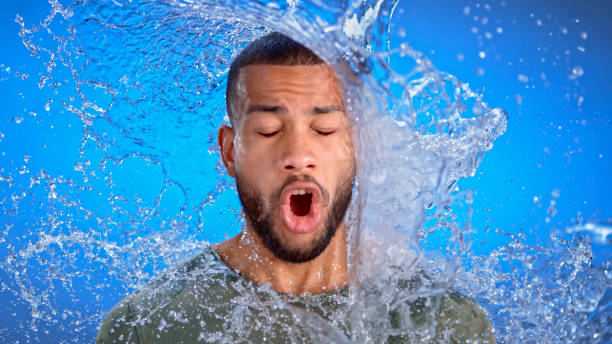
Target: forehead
308	83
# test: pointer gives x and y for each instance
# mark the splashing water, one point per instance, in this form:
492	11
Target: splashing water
142	84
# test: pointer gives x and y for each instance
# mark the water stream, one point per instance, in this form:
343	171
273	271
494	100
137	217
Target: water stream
133	93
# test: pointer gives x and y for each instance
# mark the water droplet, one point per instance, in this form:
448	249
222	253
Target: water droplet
466	10
518	99
460	57
499	30
576	73
480	71
482	54
18	119
551	210
584	35
555	193
522	78
563	30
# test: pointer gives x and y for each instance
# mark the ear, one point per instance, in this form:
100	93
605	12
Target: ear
226	147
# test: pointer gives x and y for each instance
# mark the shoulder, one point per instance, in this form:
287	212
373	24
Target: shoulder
460	319
118	326
449	317
132	319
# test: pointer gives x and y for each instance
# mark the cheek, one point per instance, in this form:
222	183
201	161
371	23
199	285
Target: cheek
340	159
241	146
342	151
255	161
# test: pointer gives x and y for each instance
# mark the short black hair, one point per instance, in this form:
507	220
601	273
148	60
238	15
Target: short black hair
271	49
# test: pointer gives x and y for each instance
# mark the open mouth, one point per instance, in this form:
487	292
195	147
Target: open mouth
300	202
301	207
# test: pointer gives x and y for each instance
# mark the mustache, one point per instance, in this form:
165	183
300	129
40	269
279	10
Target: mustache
299	178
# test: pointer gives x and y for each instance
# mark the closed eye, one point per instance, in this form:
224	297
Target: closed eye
325	132
268	134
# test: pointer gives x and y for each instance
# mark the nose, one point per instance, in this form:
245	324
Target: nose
297	153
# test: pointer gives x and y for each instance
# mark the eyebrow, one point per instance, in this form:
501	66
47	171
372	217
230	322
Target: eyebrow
317	110
326	109
266	108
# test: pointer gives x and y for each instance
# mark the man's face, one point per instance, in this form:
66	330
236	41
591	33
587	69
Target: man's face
293	157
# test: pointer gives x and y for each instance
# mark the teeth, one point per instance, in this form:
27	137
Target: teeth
299	192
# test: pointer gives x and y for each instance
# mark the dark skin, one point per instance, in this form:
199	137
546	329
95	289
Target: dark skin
289	120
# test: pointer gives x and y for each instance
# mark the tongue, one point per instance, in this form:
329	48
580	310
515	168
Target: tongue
300	215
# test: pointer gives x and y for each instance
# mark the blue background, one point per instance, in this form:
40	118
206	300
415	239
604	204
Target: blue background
555	144
552	142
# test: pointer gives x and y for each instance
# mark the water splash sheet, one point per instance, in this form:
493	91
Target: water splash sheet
110	173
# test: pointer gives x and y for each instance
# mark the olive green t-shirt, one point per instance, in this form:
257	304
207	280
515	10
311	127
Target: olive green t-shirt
203	301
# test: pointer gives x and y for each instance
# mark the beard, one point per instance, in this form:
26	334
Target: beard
262	219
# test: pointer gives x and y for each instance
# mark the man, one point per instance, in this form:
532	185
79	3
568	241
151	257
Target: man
290	149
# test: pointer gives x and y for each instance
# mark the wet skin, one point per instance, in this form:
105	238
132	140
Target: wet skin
289	121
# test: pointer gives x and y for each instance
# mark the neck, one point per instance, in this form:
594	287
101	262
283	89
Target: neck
246	254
